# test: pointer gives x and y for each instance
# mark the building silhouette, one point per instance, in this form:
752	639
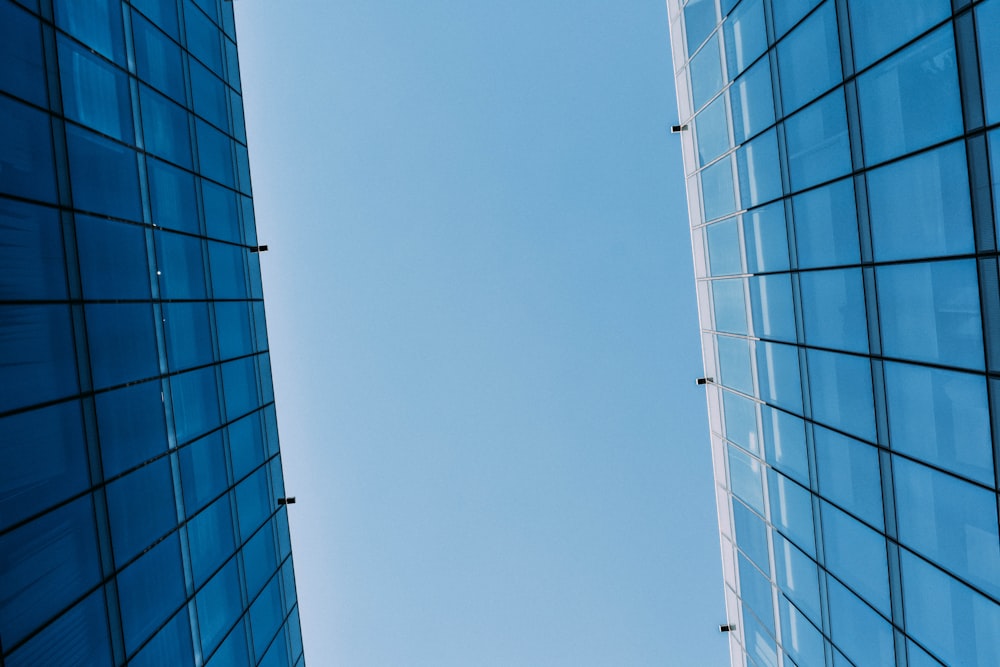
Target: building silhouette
140	477
842	160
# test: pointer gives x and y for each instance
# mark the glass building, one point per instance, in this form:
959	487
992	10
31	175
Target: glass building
842	160
140	479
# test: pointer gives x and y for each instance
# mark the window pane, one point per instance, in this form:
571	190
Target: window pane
930	312
864	636
266	616
229	279
797	576
26	152
771	304
849	475
826	226
165	128
122	343
209	94
729	299
221	214
239	380
741	421
878	26
97	24
753	101
755	591
131	425
987	18
163	14
203	39
839	291
246	444
189	338
745	478
171	645
78	637
203	471
232	318
809	59
745	36
712	129
788	12
95	92
22	71
800	638
180	266
717	189
37	355
158	59
210	536
196	403
172	194
785	444
233	651
215	158
706	72
751	535
911	100
841	390
105	176
818	146
150	591
113	261
792	511
734	360
724	247
780	381
856	555
31	252
699	19
760	176
766	239
141	508
219	605
259	560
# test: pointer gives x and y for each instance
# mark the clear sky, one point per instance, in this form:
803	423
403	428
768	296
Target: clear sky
483	332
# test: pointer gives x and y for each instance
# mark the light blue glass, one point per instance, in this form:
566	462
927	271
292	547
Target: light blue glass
949	521
706	72
712	129
792	511
849	475
920	206
809	59
930	312
833	309
863	635
789	12
165	128
800	638
987	18
755	591
780	381
771	306
741	421
840	387
879	26
700	17
961	627
760	646
766	239
917	657
141	509
785	444
798	577
729	299
203	39
222	220
745	36
724	256
856	555
150	590
717	189
760	176
994	138
745	478
911	100
22	67
95	93
826	226
751	535
941	417
817	142
734	362
752	99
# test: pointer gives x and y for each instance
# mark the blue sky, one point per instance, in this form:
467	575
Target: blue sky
483	332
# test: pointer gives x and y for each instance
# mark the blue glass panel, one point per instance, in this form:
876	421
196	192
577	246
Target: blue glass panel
232	65
78	637
819	148
841	390
856	555
44	566
987	18
113	261
751	535
165	127
131	425
284	549
22	70
277	478
180	266
203	470
271	428
104	175
734	362
238	123
741	421
196	403
729	299
792	511
26	152
219	605
949	521
215	157
761	650
31	252
158	59
95	93
766	239
878	26
232	319
210	539
994	138
826	226
771	305
188	335
249	224
266	616
259	325
760	176
745	35
864	636
789	12
246	444
961	627
809	59
229	279
277	652
253	502
930	312
797	576
848	473
170	647
724	248
833	309
233	651
911	100
150	591
141	509
37	355
209	93
122	343
745	478
752	99
712	129
259	560
785	444
706	72
800	638
253	269
203	38
780	380
163	14
172	195
755	591
97	24
210	7
700	18
221	213
239	381
920	206
917	657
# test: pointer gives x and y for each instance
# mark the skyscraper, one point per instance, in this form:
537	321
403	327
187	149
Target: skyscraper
141	513
843	175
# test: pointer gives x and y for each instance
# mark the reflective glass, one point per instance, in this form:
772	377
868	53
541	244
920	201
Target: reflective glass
210	99
196	403
840	387
753	101
158	59
798	577
219	605
819	148
778	370
150	590
766	239
104	175
833	309
140	508
940	417
210	539
785	444
771	305
987	18
222	219
759	644
949	521
37	355
215	158
856	555
760	176
97	24
203	471
233	651
95	93
240	386
878	26
180	266
741	421
26	152
232	319
717	189
729	299
809	59
799	637
724	247
745	478
78	637
163	14
229	279
745	35
911	100
712	129
266	616
22	70
170	646
165	127
826	226
131	425
734	362
751	535
112	259
122	343
789	12
699	19
864	636
930	312
706	72
792	511
188	335
755	591
961	627
246	445
848	474
31	252
259	560
253	502
203	38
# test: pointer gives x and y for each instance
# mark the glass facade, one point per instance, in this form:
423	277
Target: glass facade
140	477
842	160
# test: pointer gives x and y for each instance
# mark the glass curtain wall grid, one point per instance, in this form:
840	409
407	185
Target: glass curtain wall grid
843	178
139	464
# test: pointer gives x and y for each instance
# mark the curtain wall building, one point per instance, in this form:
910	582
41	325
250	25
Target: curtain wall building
843	176
140	479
